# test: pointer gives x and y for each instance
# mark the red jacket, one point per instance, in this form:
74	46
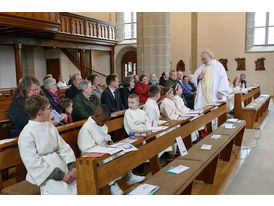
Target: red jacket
142	91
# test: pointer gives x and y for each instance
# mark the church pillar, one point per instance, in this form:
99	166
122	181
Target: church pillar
18	61
153	43
194	41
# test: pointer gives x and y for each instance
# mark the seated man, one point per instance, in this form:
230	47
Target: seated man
72	90
95	132
243	81
187	92
111	95
50	162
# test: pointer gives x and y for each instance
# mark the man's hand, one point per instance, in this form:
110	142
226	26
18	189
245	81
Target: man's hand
68	178
220	96
73	173
201	76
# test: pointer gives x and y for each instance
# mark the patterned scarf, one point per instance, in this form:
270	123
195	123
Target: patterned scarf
56	97
69	118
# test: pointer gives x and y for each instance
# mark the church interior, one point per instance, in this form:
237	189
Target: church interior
145	43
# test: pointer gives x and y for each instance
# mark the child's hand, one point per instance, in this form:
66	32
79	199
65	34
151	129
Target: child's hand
54	123
65	117
68	179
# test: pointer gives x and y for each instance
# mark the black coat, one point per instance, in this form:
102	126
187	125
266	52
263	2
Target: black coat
162	81
108	99
17	116
124	92
71	92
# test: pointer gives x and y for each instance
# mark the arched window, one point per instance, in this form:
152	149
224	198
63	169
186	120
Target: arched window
260	31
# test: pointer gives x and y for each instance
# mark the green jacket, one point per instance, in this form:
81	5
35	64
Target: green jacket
170	82
82	107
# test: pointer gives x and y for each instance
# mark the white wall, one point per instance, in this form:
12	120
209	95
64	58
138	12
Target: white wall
40	67
101	63
106	16
224	34
180	39
7	67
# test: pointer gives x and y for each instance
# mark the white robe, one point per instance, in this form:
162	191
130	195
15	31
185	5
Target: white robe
91	135
180	105
135	120
42	149
219	84
169	110
152	111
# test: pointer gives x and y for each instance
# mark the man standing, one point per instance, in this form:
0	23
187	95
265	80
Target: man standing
211	81
172	79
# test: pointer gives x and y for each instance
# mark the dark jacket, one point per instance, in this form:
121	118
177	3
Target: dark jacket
17	116
114	104
194	88
162	81
124	92
52	102
170	82
82	107
243	82
71	92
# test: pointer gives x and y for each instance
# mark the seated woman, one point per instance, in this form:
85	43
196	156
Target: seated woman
28	86
153	80
96	89
126	90
237	82
50	92
142	88
82	106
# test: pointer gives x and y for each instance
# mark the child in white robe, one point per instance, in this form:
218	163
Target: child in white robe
50	162
168	108
178	100
95	132
151	107
135	118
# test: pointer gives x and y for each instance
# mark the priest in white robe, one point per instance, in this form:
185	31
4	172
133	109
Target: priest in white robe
211	81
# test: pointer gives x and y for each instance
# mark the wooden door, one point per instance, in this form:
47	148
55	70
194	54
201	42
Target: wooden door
129	63
53	67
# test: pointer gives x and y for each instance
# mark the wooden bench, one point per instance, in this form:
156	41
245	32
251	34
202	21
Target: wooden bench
202	163
91	177
254	106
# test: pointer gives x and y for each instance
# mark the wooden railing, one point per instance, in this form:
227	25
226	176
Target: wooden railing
73	24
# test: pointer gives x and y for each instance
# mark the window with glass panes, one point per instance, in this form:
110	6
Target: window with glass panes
263	30
130	25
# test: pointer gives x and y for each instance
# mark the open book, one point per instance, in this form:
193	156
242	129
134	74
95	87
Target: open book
144	189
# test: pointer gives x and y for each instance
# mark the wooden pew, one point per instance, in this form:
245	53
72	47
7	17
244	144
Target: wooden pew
251	111
91	177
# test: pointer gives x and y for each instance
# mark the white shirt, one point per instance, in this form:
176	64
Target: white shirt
42	149
62	84
152	111
169	110
91	135
135	120
112	91
180	105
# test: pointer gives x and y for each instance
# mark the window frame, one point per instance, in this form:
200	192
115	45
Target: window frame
132	23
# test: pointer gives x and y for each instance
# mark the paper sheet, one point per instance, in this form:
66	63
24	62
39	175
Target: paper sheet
108	150
181	146
216	136
206	146
177	170
124	146
228	126
56	116
233	120
144	189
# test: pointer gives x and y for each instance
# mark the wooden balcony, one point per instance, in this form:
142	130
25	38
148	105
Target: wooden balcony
60	26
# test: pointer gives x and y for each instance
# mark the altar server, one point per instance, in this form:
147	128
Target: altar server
50	162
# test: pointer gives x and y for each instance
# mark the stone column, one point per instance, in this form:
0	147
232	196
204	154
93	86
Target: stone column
153	43
194	41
